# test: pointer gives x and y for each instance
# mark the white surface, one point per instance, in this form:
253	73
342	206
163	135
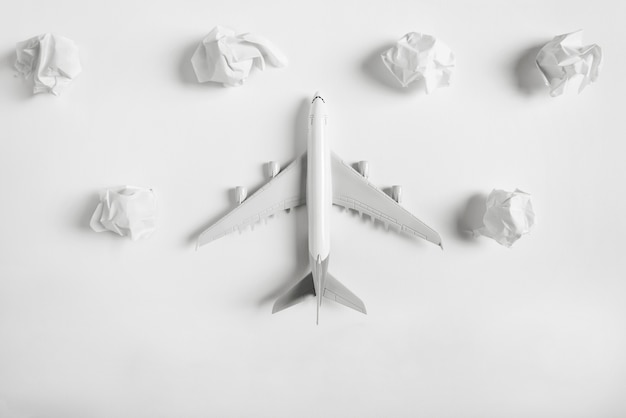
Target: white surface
93	325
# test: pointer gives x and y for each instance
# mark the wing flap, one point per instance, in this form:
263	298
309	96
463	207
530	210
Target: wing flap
285	191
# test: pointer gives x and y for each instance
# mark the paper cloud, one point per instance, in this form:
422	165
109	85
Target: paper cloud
568	65
226	57
127	211
418	56
509	215
51	60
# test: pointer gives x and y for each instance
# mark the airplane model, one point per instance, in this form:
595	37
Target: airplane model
319	179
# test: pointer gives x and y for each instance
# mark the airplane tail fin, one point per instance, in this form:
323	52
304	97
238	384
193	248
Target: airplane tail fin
296	294
334	290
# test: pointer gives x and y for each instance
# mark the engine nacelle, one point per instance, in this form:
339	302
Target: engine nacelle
363	167
272	169
240	194
396	193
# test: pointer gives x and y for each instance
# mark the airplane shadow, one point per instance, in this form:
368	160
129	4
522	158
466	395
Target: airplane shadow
302	261
301	233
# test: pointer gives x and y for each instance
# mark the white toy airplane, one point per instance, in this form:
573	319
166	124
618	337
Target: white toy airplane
319	179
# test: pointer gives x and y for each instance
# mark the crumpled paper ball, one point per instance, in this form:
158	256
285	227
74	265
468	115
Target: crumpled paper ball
52	61
568	65
509	215
419	56
226	57
127	211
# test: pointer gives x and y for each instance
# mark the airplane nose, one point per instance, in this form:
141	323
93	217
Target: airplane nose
316	96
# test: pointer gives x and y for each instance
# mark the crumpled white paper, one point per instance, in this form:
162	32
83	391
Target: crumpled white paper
568	65
417	55
509	215
127	211
52	60
226	57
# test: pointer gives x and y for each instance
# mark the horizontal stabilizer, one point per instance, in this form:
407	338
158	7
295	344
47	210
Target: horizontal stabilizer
296	294
340	294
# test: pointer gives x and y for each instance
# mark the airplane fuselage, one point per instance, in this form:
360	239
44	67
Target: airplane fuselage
319	192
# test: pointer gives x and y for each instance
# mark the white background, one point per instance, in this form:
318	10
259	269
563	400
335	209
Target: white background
94	325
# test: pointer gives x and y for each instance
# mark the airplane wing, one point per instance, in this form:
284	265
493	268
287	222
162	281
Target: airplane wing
285	191
353	191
